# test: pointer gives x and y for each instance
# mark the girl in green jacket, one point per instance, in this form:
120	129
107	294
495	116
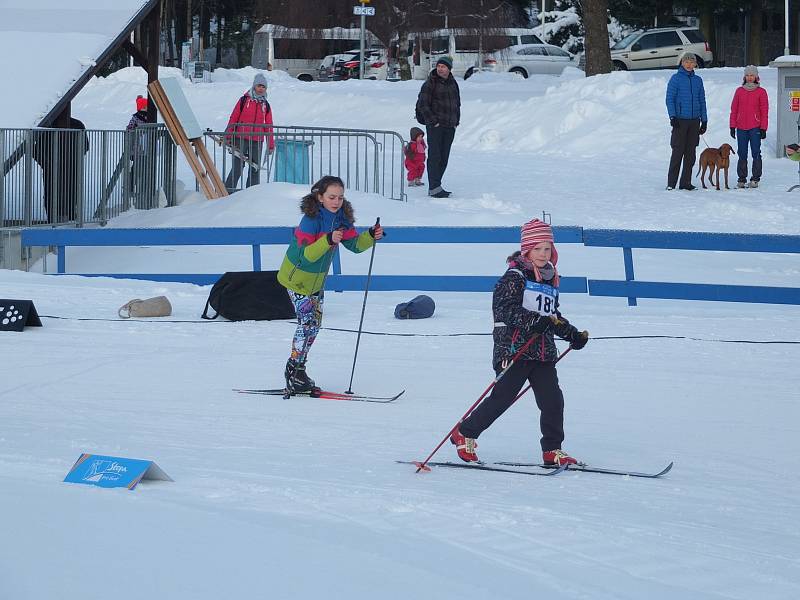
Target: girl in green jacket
327	221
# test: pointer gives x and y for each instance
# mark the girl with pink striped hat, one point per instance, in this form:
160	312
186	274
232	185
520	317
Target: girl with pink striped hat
525	305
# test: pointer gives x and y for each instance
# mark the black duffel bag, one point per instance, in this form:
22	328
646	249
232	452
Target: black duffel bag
250	296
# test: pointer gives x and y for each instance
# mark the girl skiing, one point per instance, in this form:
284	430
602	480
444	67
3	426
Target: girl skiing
748	122
327	221
525	304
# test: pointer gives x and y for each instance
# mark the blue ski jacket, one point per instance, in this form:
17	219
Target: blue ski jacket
686	97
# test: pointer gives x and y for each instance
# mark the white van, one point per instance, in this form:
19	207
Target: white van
463	45
299	52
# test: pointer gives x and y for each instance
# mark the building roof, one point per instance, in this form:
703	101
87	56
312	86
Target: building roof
49	49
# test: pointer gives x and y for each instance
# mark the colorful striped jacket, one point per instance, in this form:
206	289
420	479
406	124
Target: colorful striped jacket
308	258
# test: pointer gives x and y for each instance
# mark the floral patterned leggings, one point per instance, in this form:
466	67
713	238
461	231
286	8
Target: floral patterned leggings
309	320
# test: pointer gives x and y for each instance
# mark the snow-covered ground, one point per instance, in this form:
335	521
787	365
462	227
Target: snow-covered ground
299	498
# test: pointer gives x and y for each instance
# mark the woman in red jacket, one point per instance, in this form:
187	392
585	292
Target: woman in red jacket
749	121
249	125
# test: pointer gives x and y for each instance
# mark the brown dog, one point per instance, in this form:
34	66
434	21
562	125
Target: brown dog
715	159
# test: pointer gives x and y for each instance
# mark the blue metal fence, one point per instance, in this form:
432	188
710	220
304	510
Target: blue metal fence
625	239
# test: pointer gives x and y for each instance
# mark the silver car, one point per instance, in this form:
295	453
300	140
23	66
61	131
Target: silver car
530	59
660	49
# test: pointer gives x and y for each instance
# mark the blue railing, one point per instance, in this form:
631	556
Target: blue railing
627	240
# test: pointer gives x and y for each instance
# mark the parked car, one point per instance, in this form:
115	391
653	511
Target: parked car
530	59
346	67
327	66
660	49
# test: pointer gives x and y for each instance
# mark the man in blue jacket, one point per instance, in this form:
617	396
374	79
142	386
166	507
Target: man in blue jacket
686	105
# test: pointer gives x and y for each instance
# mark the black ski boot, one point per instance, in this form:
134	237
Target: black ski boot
297	380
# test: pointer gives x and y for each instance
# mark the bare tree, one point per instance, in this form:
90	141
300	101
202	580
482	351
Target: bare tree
754	45
595	22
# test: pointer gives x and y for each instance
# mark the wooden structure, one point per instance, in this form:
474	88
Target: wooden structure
191	143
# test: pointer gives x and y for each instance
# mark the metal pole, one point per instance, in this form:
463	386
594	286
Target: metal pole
544	6
361	58
786	28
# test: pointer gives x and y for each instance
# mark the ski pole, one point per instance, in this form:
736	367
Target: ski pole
421	466
363	307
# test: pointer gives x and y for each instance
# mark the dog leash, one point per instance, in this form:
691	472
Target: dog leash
703	137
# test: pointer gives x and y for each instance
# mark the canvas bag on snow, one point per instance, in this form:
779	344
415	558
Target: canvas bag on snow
249	296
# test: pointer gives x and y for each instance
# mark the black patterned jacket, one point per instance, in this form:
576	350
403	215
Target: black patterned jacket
513	324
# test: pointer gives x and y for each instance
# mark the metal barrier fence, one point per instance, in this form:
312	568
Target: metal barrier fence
76	176
366	160
662	240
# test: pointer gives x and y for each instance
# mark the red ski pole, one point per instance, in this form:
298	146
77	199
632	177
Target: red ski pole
421	466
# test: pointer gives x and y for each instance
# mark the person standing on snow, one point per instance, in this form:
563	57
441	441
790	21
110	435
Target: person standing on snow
686	106
525	305
748	122
415	157
439	109
142	178
327	221
249	124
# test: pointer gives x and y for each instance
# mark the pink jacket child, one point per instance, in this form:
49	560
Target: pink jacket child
415	157
750	108
748	122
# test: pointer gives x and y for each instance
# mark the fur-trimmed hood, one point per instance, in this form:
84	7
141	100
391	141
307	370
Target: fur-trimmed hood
310	206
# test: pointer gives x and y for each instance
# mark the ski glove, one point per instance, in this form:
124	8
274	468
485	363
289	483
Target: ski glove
542	324
763	133
673	122
578	339
703	127
733	132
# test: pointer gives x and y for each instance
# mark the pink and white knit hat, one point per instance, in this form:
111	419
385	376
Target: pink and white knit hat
535	232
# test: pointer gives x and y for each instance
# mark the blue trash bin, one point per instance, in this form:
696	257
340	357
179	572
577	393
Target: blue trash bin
292	161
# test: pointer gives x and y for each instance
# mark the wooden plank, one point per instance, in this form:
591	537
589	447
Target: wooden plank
201	171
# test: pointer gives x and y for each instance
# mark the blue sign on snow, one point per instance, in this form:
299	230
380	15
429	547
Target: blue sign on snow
113	471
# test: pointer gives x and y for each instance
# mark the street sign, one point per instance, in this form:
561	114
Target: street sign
368	11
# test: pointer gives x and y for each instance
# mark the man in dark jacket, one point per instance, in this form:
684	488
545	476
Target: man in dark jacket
686	106
439	109
60	156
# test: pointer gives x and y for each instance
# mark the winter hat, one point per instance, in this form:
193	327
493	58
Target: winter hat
415	131
751	70
141	103
535	232
259	79
447	61
689	56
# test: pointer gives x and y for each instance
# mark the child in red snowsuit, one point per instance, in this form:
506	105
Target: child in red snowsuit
415	157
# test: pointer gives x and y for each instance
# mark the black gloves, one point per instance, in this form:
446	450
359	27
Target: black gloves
733	132
673	121
763	133
578	339
703	127
542	324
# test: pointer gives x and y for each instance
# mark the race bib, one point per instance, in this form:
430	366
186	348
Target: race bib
540	298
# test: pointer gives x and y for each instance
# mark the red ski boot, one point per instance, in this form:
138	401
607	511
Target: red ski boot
558	457
464	446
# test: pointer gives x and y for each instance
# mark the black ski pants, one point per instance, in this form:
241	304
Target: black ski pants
684	141
440	139
544	382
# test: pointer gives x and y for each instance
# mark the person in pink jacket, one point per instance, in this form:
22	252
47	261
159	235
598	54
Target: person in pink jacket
749	121
249	126
415	157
